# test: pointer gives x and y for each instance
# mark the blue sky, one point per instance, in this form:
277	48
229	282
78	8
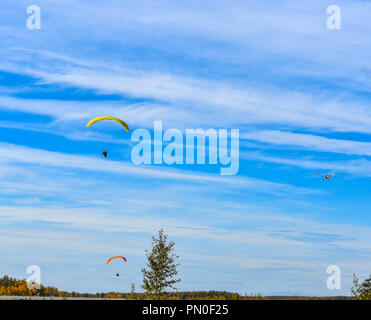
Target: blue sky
298	92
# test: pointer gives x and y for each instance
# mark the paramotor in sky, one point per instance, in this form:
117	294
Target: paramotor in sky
123	123
327	176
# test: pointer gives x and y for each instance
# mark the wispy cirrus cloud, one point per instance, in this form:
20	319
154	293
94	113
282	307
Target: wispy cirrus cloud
17	154
357	167
101	220
230	106
310	142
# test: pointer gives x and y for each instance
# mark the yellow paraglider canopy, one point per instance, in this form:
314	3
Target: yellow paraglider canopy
108	118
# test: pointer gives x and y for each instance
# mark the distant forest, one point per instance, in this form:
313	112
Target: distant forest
13	287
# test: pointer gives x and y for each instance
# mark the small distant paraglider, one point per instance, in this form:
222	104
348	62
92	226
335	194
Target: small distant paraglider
327	176
123	123
116	257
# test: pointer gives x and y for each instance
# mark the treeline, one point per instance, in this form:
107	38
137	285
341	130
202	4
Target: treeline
224	295
13	287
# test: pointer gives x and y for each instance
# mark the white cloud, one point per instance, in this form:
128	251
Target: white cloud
198	102
18	154
358	167
310	142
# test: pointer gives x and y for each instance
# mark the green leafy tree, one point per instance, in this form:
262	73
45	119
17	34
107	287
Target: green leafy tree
361	291
161	267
